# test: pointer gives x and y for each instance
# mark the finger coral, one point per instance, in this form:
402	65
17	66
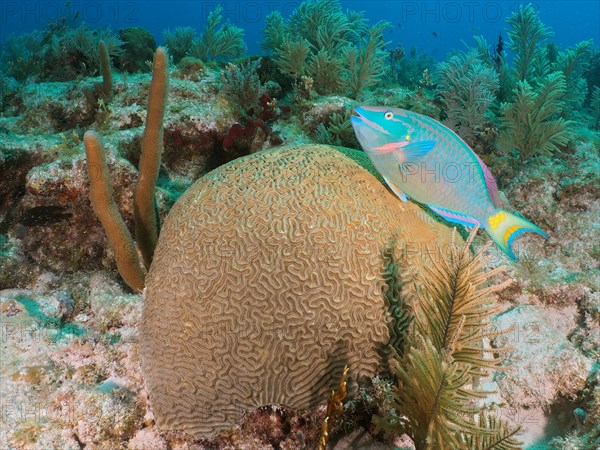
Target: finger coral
107	81
101	196
145	214
146	217
267	280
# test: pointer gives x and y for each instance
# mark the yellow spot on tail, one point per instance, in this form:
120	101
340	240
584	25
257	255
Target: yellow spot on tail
508	232
496	219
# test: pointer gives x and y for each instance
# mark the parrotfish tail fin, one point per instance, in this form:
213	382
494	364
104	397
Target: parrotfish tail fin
504	227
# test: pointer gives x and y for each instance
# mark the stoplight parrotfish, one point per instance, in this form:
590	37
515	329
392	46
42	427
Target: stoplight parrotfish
422	159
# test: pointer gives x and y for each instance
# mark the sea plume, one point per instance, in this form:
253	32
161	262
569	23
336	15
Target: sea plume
435	395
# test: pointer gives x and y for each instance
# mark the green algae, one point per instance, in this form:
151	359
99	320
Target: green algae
63	330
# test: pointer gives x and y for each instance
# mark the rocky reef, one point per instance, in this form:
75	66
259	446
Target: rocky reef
303	239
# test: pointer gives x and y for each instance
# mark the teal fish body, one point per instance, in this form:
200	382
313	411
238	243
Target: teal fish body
422	159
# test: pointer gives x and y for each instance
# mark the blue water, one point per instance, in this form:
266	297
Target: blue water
434	27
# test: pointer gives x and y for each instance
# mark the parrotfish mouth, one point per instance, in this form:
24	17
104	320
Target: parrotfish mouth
372	136
360	119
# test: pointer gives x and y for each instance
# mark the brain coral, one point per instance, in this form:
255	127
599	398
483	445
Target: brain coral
267	280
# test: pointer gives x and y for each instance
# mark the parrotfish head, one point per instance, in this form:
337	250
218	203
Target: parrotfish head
380	129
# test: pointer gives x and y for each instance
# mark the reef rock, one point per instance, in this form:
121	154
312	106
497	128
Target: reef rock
268	279
544	364
56	223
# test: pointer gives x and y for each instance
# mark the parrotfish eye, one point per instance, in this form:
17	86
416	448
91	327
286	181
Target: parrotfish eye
407	137
388	115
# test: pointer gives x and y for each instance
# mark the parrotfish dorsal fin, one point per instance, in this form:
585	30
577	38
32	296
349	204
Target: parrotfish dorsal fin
490	183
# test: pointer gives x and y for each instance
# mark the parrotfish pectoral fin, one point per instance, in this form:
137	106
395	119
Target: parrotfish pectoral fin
504	227
454	217
396	190
389	147
416	150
